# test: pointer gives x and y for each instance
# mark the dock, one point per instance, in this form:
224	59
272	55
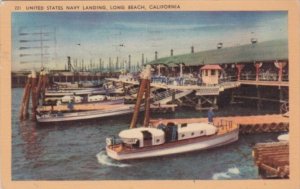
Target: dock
272	159
247	124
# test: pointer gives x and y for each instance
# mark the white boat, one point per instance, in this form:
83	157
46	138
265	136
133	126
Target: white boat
84	115
283	137
148	142
83	91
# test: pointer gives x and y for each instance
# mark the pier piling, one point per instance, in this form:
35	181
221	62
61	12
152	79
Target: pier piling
34	94
25	99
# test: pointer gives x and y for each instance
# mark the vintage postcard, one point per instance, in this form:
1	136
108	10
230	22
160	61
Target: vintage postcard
156	94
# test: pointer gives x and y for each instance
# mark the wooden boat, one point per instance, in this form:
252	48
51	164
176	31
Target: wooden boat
82	91
87	100
76	85
173	138
84	115
166	140
283	137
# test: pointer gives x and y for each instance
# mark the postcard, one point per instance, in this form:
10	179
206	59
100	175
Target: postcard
156	94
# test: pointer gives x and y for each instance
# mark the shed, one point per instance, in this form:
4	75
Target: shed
210	74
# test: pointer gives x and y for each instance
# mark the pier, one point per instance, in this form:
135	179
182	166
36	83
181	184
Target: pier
247	124
272	159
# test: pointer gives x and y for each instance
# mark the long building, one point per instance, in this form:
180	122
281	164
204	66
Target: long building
260	67
265	54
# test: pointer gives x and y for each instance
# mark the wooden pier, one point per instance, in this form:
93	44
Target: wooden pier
272	159
247	124
265	83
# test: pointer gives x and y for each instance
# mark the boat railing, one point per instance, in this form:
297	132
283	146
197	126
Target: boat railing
225	125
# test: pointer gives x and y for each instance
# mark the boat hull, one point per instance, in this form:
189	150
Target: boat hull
84	115
182	147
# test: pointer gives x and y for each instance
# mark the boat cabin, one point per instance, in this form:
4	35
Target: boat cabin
96	98
76	99
145	136
210	74
192	130
141	137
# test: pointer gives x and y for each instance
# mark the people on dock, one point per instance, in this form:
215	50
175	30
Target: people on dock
70	105
210	115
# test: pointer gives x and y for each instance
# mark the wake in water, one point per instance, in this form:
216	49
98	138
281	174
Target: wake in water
226	175
103	159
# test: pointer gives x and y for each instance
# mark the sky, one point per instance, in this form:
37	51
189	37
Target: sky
89	36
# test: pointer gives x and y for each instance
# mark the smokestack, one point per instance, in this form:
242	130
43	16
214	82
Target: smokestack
109	64
69	63
219	45
117	63
156	55
172	52
192	49
129	62
253	40
143	59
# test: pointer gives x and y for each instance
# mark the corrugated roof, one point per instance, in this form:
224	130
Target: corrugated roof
261	51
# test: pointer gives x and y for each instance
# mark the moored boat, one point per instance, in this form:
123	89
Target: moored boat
84	115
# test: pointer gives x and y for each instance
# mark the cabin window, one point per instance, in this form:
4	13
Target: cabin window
201	132
182	135
183	125
192	134
206	72
157	140
213	72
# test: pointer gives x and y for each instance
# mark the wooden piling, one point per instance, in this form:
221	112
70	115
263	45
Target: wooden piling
25	100
259	102
45	82
39	86
147	104
33	95
145	79
138	103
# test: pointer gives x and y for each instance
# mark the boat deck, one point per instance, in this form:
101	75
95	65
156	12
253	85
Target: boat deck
247	124
240	120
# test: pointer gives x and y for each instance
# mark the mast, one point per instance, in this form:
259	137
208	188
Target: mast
145	84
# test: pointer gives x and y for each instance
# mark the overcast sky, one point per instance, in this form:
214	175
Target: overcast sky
94	35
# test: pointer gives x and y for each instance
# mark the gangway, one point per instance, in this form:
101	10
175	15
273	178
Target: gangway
167	96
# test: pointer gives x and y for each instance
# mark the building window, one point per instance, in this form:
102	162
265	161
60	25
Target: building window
206	72
213	72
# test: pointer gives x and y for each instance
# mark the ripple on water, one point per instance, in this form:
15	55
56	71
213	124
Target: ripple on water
103	159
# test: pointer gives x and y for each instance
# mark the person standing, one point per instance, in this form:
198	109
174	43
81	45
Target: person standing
210	115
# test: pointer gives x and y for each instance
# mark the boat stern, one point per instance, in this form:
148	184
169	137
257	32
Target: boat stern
112	153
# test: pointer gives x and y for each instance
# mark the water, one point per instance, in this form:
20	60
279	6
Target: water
75	151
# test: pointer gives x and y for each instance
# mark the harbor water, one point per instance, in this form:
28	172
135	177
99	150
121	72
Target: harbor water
76	151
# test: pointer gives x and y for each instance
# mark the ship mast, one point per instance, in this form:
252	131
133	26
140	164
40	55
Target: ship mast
144	89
